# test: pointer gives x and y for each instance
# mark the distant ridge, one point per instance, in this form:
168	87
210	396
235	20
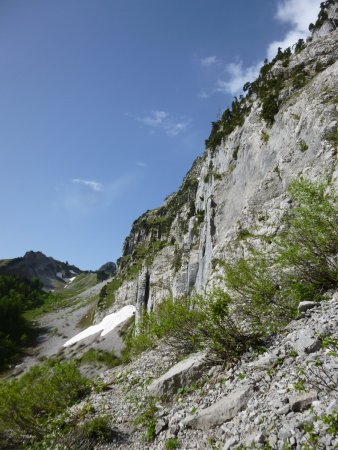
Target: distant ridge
52	273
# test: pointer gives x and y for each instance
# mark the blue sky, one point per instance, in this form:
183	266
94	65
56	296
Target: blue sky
104	105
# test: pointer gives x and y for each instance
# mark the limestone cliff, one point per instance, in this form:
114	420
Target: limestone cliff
285	126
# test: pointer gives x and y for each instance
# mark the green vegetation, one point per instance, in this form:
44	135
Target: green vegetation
235	153
172	443
28	404
176	321
107	293
302	145
17	295
299	46
96	429
66	296
262	289
177	261
147	419
230	119
265	137
308	246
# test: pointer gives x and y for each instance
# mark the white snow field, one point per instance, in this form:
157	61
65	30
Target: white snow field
106	326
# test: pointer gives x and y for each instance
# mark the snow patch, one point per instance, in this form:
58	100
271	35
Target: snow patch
68	281
108	324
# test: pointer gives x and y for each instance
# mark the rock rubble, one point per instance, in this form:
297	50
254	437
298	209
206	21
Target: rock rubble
278	398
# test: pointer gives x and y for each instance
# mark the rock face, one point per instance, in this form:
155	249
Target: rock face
181	374
240	184
50	272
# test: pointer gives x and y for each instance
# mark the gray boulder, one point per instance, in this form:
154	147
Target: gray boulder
265	362
306	342
305	306
299	402
221	411
181	374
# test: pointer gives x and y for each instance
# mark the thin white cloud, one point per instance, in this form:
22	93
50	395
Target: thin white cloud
80	197
141	164
162	120
153	118
238	76
175	128
209	61
93	185
298	14
203	95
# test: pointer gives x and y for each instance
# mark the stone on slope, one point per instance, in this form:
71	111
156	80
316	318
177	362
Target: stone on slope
306	342
299	402
181	374
305	306
265	362
221	411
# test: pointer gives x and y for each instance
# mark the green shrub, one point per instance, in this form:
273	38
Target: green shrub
176	321
302	145
308	246
235	153
265	137
97	429
220	330
150	433
172	443
27	403
72	435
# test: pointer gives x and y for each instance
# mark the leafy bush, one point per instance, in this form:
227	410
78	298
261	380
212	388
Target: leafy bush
96	429
27	403
177	321
308	246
